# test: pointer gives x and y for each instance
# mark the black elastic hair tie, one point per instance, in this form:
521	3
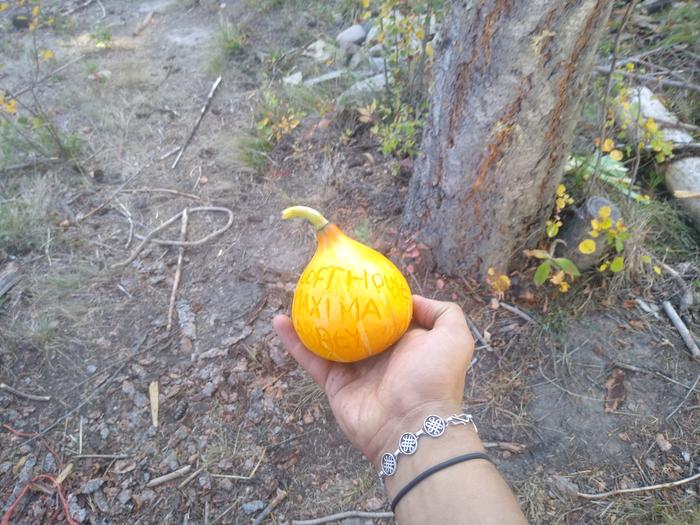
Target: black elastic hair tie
432	470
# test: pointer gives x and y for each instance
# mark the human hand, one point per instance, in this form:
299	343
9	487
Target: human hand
377	399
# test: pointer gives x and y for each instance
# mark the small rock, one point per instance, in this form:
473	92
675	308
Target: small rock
650	463
376	51
319	50
253	506
293	79
170	462
663	443
140	399
104	431
99	499
128	388
213	353
77	512
686	456
365	90
5	467
352	35
204	481
209	389
49	463
225	484
148	495
683	178
373	33
124	496
308	419
374	504
279	356
91	369
565	486
92	485
332	75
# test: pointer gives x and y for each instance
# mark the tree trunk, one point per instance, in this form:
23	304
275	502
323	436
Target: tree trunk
509	79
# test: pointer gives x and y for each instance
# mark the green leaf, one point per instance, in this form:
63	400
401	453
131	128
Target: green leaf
619	244
617	264
542	273
568	266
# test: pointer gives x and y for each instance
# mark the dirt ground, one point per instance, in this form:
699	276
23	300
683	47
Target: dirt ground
234	409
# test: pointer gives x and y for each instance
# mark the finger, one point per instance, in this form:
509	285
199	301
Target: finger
316	366
437	314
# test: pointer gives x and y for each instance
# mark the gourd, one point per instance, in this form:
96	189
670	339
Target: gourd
350	302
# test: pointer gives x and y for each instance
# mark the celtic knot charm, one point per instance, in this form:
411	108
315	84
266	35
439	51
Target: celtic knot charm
388	464
408	443
434	426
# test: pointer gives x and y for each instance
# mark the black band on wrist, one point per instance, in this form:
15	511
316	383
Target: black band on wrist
432	470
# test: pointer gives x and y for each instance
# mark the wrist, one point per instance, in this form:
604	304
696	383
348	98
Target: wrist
386	439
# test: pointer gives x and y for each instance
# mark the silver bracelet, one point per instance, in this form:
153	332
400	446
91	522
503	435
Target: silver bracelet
433	426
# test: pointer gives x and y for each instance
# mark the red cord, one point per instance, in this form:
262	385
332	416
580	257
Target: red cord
70	521
19	433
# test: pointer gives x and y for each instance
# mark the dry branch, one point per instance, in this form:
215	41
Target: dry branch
178	270
687	395
508	446
19	393
689	86
169	477
638	489
682	329
344	515
202	112
167	223
163	190
281	494
517	311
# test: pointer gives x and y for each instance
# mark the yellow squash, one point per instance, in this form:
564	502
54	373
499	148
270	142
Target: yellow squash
351	302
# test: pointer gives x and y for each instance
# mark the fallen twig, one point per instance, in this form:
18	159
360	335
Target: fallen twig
178	270
111	197
163	190
153	396
638	489
517	311
167	223
515	448
202	112
169	477
478	335
189	478
101	456
169	153
682	329
225	512
685	398
281	494
344	515
689	86
19	393
238	476
144	24
89	398
683	194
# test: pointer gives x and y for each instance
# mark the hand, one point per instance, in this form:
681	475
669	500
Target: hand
377	399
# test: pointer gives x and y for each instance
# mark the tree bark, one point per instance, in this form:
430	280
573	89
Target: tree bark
509	79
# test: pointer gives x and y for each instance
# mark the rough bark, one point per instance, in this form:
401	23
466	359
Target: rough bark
509	80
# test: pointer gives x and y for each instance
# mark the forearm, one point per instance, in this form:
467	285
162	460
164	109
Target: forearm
472	492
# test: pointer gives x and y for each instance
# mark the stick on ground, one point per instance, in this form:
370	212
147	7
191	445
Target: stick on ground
638	489
687	395
202	112
344	515
682	329
281	494
169	477
19	393
178	270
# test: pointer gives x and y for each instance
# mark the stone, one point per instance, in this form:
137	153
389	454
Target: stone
101	501
253	506
49	463
331	75
682	180
214	353
364	90
372	33
77	512
320	51
124	496
92	485
354	34
294	79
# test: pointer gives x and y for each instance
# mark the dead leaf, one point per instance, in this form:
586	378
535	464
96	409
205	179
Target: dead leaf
615	390
629	303
663	443
637	325
153	393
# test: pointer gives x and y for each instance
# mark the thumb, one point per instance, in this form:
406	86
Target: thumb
437	314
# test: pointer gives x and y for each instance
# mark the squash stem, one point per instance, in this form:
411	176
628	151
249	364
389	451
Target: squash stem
314	217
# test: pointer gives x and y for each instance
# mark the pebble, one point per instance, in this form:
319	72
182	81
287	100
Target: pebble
204	481
92	486
49	463
213	353
77	512
124	496
170	461
253	506
26	473
374	504
91	369
101	501
354	34
293	79
5	467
